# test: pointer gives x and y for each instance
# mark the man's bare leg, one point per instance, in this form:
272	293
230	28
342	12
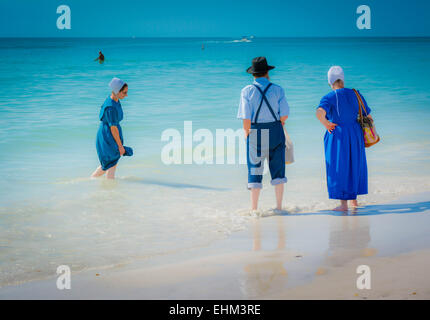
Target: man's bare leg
279	191
255	194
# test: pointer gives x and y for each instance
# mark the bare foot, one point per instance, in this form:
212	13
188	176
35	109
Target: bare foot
97	173
255	213
341	208
353	203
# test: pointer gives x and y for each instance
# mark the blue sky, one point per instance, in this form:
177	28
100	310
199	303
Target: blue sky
213	18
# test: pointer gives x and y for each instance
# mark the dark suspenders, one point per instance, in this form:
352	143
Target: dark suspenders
263	98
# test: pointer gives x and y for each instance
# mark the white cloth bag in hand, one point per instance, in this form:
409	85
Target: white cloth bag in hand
289	148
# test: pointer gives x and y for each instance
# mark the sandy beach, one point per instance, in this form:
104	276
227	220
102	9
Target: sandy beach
277	257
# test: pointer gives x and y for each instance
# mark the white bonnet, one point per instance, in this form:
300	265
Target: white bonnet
116	84
335	73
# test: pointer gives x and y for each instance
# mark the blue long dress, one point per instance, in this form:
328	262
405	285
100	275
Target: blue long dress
107	149
345	156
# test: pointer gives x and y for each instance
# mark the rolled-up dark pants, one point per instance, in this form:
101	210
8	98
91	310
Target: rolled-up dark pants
266	140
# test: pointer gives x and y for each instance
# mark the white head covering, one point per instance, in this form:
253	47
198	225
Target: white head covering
116	84
335	73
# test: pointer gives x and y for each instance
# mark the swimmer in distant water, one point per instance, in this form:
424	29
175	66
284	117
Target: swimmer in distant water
100	58
203	46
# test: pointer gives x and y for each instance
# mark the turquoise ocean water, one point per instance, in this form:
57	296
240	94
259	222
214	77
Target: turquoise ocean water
51	213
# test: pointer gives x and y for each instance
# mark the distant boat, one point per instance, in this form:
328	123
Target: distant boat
244	39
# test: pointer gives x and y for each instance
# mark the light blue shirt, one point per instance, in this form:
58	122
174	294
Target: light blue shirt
250	100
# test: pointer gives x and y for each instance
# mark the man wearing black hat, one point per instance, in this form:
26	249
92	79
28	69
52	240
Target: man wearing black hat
264	109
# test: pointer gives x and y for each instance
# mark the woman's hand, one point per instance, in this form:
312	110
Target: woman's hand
321	115
121	150
330	126
115	133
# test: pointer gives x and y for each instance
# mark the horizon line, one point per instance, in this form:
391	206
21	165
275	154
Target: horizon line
212	37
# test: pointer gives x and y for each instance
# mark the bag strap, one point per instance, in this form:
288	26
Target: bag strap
361	107
263	98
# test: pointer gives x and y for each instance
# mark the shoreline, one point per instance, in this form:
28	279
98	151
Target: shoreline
277	257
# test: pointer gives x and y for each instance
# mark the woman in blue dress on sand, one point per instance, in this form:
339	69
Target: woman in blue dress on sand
345	156
109	141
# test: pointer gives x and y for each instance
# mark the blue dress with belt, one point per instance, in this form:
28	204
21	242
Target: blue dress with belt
345	156
107	149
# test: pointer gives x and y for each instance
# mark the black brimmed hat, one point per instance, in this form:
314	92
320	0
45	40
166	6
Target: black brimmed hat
259	65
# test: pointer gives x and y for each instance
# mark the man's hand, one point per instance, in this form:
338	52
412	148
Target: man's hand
283	119
246	127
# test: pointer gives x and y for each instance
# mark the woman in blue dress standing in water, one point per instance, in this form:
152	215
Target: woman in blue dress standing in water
345	156
109	141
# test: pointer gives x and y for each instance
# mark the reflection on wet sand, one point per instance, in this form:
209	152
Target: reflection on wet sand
268	273
349	239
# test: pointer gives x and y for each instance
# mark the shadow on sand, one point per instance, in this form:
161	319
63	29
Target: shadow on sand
175	185
371	210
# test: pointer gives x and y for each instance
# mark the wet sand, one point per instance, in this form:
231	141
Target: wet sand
292	256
